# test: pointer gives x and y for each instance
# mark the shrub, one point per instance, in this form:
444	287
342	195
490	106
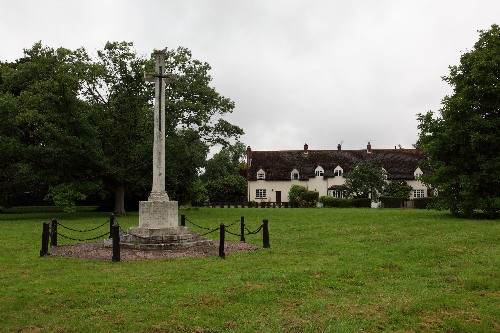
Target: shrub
344	203
327	201
392	202
332	202
362	202
423	203
294	193
307	199
398	189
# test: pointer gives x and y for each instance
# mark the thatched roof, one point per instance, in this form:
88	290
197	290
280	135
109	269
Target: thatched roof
400	164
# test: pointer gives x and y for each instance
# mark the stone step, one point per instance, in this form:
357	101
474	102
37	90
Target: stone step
159	239
165	246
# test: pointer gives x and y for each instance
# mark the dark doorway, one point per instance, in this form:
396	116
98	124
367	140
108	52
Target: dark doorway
278	197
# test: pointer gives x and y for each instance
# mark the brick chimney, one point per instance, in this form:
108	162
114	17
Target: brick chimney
249	157
339	147
369	148
306	147
249	163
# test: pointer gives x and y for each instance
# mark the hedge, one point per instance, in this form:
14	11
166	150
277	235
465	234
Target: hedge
422	203
329	201
362	202
392	202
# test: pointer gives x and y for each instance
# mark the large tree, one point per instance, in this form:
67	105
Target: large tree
223	174
47	142
398	189
121	101
73	125
186	154
193	104
462	143
194	119
366	180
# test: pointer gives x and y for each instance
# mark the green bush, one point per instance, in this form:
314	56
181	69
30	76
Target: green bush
422	203
343	203
307	199
294	194
332	202
251	204
362	202
327	201
398	189
392	202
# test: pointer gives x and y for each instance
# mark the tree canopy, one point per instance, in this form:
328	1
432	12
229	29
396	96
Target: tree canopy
462	142
47	142
75	125
223	174
366	180
398	189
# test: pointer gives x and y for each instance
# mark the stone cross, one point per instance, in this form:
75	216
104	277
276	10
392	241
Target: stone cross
161	79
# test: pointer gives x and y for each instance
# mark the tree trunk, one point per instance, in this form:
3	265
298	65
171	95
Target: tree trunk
120	200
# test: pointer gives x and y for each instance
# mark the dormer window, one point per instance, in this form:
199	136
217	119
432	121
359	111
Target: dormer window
294	174
261	174
338	171
319	172
418	174
384	171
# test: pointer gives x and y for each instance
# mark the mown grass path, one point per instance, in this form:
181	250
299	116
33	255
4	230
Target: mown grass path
328	270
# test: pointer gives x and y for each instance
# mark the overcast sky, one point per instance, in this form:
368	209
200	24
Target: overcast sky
300	71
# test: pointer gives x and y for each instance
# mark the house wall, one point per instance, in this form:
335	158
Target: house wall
417	185
318	184
271	188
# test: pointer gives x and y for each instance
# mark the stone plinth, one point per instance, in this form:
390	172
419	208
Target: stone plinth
158	229
158	214
162	239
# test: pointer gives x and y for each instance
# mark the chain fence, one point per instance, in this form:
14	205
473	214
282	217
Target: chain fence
223	229
56	233
51	233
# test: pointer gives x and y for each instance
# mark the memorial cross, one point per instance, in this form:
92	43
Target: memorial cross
160	79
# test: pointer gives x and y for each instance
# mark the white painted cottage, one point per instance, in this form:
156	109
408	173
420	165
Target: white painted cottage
270	174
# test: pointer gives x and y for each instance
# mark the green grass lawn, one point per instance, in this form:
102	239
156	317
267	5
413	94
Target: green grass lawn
328	270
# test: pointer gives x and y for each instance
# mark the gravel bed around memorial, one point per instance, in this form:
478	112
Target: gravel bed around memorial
97	251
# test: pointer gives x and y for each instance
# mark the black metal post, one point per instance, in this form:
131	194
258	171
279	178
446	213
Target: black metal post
221	243
242	229
116	242
45	239
265	234
183	220
53	233
111	222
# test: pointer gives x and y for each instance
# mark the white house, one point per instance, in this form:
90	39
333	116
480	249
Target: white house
270	174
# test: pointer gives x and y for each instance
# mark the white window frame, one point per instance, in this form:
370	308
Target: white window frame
294	175
339	194
338	171
261	174
418	193
319	172
418	174
261	193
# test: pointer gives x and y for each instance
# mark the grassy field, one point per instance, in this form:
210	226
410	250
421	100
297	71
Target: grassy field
328	270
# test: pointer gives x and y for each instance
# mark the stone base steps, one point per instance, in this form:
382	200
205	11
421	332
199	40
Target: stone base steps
162	239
